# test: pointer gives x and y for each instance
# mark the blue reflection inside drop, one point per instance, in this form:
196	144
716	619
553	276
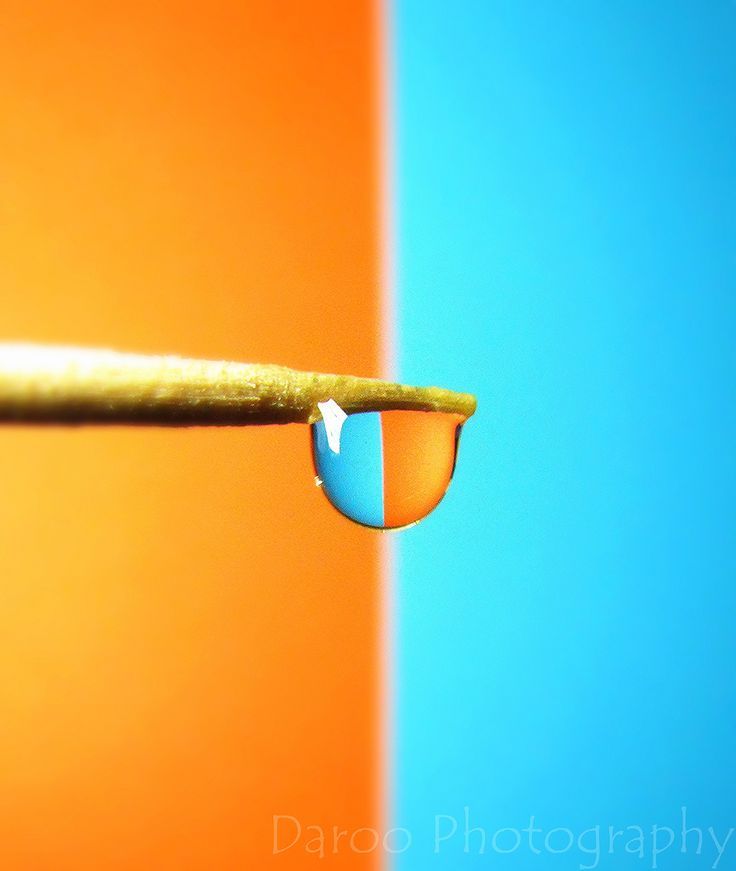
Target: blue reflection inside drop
353	478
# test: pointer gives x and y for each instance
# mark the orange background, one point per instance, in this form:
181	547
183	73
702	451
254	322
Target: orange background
188	632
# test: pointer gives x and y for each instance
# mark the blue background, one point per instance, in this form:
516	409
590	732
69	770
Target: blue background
565	232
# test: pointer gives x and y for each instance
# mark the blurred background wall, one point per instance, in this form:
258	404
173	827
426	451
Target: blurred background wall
190	639
187	630
565	189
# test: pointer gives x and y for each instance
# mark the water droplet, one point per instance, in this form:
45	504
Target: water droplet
385	469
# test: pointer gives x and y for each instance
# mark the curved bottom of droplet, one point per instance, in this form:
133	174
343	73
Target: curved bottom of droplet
386	470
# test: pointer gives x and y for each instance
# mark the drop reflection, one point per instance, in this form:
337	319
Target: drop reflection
386	469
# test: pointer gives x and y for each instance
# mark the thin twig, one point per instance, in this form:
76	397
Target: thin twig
47	384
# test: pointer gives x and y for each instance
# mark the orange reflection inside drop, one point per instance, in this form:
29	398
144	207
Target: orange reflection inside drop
419	455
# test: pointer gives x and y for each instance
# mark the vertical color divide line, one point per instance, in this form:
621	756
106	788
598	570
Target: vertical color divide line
388	351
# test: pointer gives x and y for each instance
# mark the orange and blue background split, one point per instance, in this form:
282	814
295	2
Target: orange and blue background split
531	202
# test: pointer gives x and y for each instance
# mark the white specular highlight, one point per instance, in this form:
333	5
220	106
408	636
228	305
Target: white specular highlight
334	417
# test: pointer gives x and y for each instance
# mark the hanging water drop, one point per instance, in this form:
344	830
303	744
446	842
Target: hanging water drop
385	469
